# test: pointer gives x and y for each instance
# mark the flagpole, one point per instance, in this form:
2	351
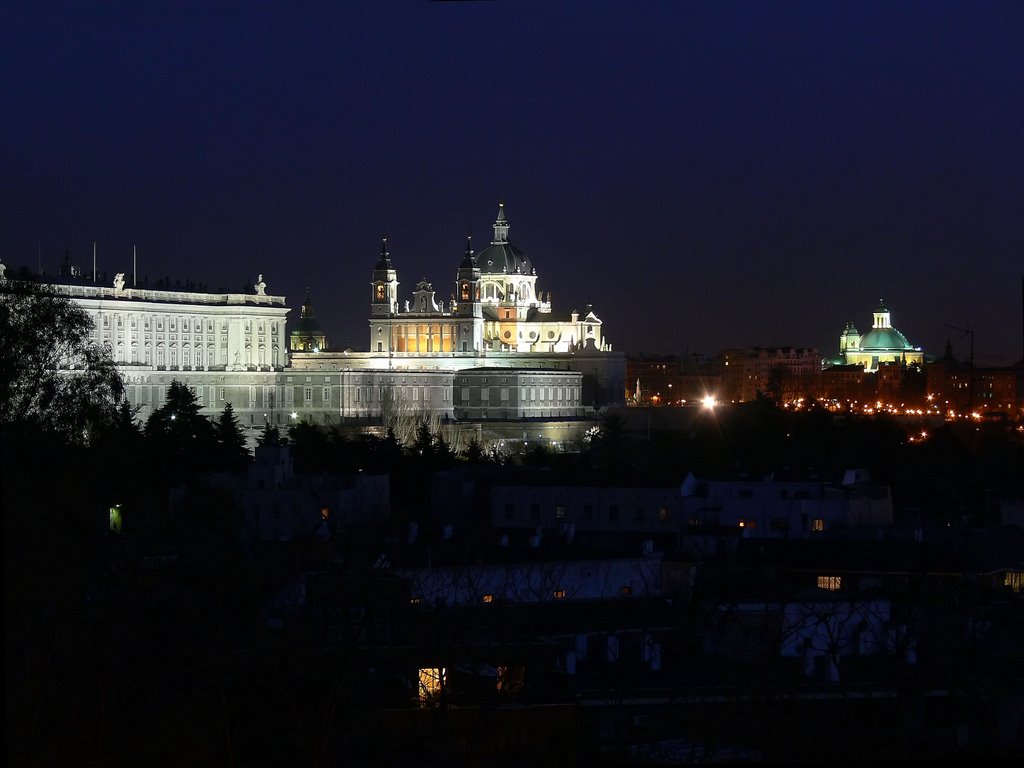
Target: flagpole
134	281
94	261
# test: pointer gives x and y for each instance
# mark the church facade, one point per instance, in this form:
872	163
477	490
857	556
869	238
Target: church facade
495	307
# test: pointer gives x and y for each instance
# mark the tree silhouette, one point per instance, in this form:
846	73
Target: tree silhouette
474	452
270	435
51	373
311	447
233	454
182	437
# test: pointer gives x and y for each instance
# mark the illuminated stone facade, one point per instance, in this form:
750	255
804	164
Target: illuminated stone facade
495	318
494	307
234	348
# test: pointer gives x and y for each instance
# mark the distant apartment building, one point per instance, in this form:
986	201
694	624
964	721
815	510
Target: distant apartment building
961	387
843	383
782	373
591	507
279	505
669	380
785	508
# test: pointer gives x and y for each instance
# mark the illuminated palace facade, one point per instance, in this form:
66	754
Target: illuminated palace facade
495	353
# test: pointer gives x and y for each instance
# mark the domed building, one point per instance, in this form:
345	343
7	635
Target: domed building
307	335
495	307
882	344
491	349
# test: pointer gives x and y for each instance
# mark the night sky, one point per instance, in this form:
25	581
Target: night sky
705	174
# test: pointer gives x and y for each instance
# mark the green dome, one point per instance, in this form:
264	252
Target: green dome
884	339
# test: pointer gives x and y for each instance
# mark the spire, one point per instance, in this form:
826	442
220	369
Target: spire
500	227
307	306
468	263
385	257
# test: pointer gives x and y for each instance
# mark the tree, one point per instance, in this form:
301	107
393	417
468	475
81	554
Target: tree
180	433
474	452
51	373
423	446
311	447
270	435
233	451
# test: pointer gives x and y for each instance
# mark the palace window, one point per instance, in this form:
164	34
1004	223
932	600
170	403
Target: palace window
831	583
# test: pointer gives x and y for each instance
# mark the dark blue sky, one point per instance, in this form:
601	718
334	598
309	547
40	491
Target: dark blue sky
706	174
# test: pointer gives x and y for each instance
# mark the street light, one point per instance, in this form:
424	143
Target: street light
709	402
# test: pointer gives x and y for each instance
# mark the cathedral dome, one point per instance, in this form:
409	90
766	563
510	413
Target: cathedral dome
884	338
501	257
504	258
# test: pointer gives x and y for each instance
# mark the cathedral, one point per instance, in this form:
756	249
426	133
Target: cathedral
495	307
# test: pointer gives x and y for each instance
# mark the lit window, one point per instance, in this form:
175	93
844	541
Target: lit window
559	594
488	598
560	512
115	518
831	583
663	514
432	680
1014	580
415	600
817	524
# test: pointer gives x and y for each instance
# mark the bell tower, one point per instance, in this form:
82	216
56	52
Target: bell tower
467	285
384	285
468	309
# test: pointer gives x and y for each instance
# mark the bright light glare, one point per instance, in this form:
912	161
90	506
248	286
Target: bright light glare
709	401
